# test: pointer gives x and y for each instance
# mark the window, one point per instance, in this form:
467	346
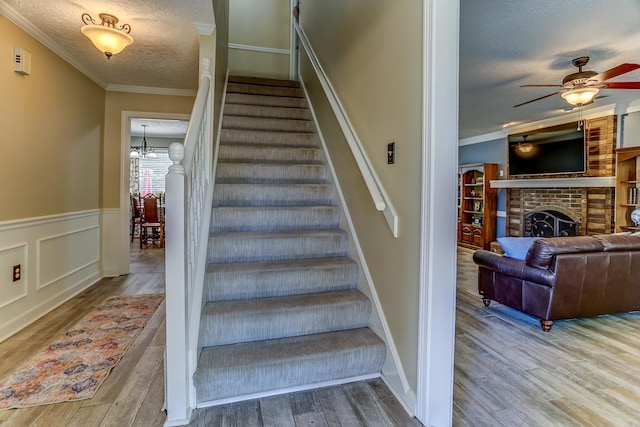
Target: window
148	173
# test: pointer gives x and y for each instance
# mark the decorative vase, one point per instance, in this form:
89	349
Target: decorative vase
635	216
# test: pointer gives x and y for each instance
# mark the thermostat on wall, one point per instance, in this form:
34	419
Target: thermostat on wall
21	61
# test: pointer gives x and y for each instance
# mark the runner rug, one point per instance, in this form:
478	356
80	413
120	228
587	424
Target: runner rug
73	366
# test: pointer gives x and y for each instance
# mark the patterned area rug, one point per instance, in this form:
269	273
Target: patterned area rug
74	365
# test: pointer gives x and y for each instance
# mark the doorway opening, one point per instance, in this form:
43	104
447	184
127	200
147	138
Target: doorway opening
144	174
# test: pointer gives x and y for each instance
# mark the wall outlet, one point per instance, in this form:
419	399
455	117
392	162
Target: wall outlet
16	273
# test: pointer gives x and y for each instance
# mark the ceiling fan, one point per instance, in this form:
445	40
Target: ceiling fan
580	88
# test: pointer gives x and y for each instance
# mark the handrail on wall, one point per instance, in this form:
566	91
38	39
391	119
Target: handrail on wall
380	198
188	191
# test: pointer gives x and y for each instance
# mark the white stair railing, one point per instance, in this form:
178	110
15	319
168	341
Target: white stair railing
188	210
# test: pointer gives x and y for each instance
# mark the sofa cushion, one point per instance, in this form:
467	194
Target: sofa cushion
543	250
516	247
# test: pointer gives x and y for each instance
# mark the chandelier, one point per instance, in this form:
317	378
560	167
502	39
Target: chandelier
143	150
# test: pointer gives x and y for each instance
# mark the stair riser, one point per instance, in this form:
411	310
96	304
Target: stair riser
270	173
294	368
266	111
263	283
234	248
277	125
222	327
264	90
284	139
230	153
263	219
263	81
261	100
271	195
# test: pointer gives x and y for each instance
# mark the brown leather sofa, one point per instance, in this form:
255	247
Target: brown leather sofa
565	277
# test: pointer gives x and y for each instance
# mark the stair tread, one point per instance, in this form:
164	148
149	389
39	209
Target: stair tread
279	233
221	358
303	264
267	119
267	145
242	369
265	100
245	320
265	81
237	109
258	306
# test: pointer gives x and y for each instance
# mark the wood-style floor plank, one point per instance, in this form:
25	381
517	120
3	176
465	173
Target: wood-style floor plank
584	372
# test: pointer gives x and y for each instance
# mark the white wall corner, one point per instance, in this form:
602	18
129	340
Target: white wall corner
110	243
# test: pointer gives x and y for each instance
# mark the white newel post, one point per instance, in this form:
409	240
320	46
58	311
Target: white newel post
176	373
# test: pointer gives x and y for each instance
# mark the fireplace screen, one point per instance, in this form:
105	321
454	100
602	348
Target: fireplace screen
549	224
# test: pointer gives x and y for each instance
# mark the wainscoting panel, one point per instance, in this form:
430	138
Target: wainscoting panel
59	257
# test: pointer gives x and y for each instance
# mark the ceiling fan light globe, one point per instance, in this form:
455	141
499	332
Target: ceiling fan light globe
580	96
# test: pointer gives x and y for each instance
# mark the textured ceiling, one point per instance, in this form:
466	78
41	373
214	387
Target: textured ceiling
159	128
508	43
165	49
503	44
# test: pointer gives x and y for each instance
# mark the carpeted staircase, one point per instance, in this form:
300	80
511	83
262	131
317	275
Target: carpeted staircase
281	306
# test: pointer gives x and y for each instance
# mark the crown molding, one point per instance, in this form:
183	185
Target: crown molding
259	49
482	138
150	90
204	29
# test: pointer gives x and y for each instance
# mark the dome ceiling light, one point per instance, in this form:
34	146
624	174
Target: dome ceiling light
109	38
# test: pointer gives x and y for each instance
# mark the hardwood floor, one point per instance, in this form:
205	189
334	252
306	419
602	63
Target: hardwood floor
133	394
585	372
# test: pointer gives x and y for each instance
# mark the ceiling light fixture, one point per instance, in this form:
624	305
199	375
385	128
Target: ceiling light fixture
109	38
143	151
580	96
524	148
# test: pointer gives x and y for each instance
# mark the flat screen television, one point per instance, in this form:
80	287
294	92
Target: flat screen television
549	151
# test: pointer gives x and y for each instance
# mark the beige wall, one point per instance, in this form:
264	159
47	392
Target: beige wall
221	10
115	103
260	24
372	54
51	125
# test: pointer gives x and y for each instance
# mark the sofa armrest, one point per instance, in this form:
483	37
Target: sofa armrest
513	267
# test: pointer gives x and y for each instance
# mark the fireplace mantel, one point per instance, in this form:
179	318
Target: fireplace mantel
585	182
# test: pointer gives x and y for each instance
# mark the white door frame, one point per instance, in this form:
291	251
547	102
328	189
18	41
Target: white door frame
125	144
438	234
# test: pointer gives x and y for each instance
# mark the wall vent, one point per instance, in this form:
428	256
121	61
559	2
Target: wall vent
21	61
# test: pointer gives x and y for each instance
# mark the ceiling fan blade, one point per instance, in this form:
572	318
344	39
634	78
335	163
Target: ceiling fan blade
540	85
615	71
537	99
621	85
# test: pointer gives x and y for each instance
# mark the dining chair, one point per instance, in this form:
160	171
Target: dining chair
136	215
152	225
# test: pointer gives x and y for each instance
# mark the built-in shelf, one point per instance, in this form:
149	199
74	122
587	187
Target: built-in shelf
585	182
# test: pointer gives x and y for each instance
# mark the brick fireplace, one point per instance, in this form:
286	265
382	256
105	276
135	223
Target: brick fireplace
592	207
